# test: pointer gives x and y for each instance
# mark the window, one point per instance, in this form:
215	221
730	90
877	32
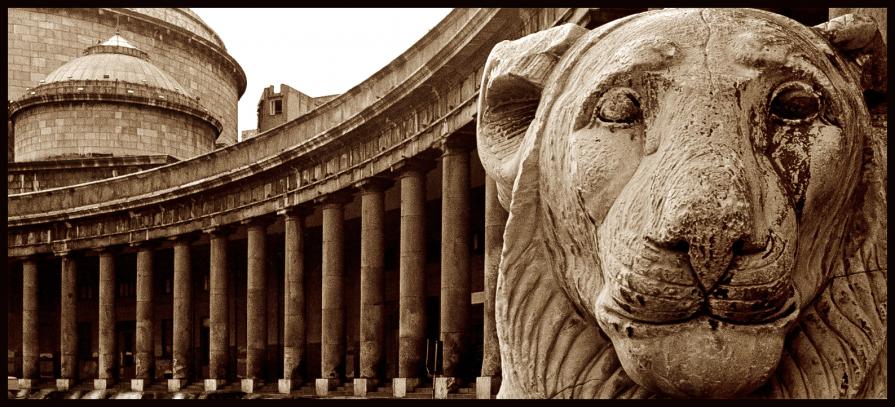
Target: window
276	106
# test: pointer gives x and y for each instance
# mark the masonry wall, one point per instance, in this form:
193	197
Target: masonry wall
79	128
41	40
24	177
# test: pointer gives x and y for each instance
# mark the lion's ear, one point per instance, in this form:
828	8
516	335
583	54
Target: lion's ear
511	88
859	39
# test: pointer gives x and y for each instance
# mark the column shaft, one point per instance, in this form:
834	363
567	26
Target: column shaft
108	366
412	275
332	298
30	326
145	355
218	313
68	313
372	282
495	221
455	278
183	304
294	293
256	301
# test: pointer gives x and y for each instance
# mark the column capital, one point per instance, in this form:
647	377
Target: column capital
341	197
144	244
300	211
421	163
114	249
219	230
67	253
457	143
184	238
263	220
373	184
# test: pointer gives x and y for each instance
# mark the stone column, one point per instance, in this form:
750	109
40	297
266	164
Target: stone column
218	313
332	335
68	319
412	277
256	304
495	221
145	345
294	299
182	324
108	361
372	284
455	275
30	326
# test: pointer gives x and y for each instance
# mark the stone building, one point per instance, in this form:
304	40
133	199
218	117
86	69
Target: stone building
96	93
337	252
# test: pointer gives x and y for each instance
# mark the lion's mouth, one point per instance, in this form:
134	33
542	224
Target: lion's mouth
654	285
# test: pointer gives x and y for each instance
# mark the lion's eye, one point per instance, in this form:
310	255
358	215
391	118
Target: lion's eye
795	101
618	105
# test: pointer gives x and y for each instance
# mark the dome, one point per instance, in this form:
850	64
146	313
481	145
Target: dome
115	59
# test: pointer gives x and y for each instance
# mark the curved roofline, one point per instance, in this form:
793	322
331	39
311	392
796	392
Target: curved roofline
217	48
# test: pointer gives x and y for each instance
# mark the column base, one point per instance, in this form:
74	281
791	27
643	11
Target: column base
323	386
403	385
364	385
285	386
250	385
176	384
214	384
486	387
64	384
140	384
444	385
103	384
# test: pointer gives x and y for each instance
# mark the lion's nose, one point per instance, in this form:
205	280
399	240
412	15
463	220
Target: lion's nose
707	215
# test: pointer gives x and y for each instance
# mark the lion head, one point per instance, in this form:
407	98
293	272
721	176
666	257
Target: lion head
696	207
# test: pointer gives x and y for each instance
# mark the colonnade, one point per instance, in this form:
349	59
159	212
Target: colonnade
410	177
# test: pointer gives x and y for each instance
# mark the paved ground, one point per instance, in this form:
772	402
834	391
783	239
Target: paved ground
231	391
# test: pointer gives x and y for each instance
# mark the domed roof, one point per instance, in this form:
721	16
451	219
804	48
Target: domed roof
115	59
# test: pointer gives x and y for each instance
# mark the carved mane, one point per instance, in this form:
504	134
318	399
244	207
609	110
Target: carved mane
551	349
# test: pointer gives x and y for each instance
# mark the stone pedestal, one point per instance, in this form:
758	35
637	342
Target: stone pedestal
140	384
214	384
250	385
444	385
362	386
28	384
103	384
323	386
64	384
176	384
486	387
285	386
403	385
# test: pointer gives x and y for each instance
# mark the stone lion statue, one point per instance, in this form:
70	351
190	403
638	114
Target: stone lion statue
697	208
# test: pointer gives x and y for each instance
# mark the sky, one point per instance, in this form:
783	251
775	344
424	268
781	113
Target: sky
316	51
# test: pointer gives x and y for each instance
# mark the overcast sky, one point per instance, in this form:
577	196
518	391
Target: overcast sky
317	51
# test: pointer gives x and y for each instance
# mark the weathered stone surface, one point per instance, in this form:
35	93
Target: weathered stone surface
145	346
702	186
108	366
